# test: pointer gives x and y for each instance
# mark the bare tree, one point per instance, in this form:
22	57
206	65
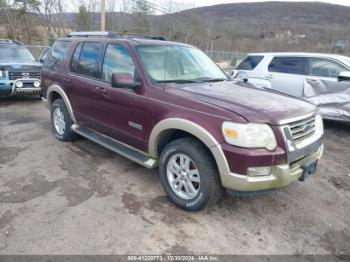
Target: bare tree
16	15
12	17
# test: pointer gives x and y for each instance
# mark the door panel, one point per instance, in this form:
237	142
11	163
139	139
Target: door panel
287	74
82	82
323	77
323	89
121	113
81	94
287	83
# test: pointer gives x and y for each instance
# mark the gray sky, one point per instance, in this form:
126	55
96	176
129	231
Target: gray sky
215	2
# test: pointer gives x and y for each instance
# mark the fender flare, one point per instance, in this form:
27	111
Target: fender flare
194	129
56	88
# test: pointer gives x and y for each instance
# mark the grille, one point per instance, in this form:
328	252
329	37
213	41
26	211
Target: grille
303	129
18	75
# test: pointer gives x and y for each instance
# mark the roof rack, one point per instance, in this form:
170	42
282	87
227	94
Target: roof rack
115	35
153	37
93	34
9	41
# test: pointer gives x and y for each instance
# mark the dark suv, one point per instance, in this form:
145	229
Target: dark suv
19	71
167	104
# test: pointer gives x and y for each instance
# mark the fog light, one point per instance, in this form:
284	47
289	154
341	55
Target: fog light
259	171
36	84
19	84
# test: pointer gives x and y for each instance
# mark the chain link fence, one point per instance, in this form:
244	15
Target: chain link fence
36	49
226	60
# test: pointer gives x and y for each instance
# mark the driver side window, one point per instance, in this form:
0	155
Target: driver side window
325	68
117	60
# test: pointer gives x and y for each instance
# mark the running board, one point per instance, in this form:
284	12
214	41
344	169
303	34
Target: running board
116	146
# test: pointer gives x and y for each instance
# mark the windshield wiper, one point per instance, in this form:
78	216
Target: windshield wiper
207	79
178	81
216	80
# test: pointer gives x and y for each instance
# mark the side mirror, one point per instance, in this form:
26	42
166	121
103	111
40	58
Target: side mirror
344	76
234	74
124	80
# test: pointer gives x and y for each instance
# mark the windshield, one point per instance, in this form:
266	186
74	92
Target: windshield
347	60
17	53
178	64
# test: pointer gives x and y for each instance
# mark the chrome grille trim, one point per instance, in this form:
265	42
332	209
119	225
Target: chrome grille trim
302	129
295	119
27	75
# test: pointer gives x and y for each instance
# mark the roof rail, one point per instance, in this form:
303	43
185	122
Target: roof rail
93	34
153	37
115	35
9	41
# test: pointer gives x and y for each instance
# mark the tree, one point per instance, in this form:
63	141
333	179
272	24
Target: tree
141	9
82	19
49	13
19	20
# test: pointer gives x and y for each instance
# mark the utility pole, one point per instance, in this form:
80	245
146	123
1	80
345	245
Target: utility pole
103	15
212	43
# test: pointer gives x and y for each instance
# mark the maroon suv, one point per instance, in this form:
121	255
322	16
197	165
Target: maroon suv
167	104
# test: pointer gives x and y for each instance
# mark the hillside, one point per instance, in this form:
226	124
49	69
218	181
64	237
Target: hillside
310	25
242	27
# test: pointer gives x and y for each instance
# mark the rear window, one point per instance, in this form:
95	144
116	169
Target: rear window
250	63
58	53
288	65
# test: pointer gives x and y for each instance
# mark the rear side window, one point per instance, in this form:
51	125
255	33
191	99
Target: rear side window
75	59
86	62
250	63
58	54
288	65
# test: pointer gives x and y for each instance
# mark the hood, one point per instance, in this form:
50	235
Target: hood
19	65
255	105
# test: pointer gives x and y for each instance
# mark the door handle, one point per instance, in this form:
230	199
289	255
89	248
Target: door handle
66	79
101	90
269	76
312	81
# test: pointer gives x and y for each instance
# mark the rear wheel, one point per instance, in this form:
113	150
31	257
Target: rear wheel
189	175
61	122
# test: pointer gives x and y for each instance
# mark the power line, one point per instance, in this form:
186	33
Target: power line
160	9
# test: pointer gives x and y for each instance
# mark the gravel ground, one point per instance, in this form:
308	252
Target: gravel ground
78	198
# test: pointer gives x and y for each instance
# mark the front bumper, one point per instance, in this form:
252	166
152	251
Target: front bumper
280	176
27	88
9	87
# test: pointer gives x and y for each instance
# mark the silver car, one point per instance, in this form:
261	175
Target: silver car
322	79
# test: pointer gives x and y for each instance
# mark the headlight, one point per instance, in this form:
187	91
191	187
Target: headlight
36	84
19	84
249	135
319	125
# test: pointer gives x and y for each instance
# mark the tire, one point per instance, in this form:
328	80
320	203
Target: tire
206	190
62	129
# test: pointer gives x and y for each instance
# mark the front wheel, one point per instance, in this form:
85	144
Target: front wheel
189	175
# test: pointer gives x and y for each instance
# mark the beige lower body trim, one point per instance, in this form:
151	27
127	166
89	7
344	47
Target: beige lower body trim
197	131
60	91
45	102
281	176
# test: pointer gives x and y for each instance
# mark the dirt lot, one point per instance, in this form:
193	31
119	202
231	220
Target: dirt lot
78	198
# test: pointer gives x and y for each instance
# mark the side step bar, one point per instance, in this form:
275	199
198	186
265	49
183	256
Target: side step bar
116	146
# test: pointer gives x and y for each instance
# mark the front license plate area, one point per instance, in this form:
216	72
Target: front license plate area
308	169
